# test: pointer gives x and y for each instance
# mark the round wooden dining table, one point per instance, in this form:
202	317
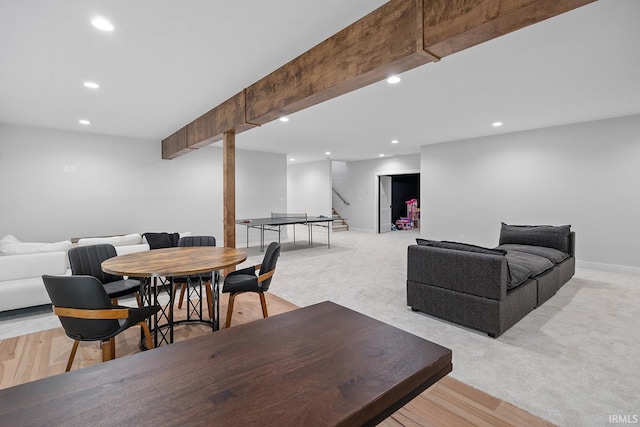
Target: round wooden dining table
156	268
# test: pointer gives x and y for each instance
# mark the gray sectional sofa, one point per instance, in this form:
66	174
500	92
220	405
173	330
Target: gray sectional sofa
490	289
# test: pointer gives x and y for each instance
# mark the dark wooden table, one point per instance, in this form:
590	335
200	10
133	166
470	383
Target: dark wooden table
175	262
322	365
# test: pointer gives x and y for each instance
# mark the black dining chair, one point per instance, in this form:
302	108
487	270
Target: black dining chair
190	241
245	280
87	313
87	260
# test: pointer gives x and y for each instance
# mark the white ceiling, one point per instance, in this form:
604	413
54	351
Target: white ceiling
167	62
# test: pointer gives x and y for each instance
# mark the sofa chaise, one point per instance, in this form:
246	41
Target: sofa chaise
490	289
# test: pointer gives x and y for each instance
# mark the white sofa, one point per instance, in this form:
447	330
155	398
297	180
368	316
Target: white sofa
21	268
127	244
22	265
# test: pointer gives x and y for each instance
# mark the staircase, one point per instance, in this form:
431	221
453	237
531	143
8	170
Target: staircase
339	224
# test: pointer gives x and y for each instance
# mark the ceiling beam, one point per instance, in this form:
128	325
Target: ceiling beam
211	126
454	25
385	42
398	36
175	145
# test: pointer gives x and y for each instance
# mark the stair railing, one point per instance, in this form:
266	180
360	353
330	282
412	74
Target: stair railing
340	197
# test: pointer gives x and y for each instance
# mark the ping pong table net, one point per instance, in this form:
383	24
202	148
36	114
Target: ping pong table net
280	215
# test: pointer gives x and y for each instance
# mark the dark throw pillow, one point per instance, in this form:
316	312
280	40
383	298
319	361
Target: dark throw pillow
556	237
424	242
162	240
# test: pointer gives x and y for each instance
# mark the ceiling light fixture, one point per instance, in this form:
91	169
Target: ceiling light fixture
496	124
292	159
91	85
327	153
84	122
395	141
380	155
102	24
393	80
284	119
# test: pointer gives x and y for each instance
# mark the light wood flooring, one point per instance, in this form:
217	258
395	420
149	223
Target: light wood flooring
447	403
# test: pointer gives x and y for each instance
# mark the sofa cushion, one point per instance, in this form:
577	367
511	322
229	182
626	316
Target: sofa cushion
129	249
162	240
23	266
556	237
8	239
533	263
517	275
460	247
9	245
128	239
553	255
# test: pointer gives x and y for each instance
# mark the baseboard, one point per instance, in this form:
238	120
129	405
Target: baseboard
615	268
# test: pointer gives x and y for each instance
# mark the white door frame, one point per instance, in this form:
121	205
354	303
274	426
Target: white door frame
385	185
376	189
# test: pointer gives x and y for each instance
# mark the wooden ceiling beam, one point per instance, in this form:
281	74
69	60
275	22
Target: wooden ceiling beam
387	41
208	128
175	145
211	126
396	37
454	25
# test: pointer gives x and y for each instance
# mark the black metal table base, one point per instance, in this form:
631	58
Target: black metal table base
162	323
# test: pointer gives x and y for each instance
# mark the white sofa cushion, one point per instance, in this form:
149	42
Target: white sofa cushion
129	239
129	249
23	293
8	239
15	267
9	245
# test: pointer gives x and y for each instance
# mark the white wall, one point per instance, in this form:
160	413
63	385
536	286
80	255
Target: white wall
363	213
309	188
586	175
121	185
340	183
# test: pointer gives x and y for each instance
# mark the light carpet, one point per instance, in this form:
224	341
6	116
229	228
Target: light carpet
573	361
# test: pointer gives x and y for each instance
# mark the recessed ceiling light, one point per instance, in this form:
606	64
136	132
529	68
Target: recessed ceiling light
327	153
395	141
84	122
91	85
292	159
284	119
393	80
380	155
496	124
102	24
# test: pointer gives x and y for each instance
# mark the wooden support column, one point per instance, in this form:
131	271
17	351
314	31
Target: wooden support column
229	187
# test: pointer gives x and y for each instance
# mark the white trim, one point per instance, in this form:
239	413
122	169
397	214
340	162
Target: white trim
615	268
376	191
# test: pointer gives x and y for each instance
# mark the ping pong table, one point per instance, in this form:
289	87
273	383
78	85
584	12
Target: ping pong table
278	221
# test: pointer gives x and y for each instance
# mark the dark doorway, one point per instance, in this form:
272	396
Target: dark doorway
404	187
